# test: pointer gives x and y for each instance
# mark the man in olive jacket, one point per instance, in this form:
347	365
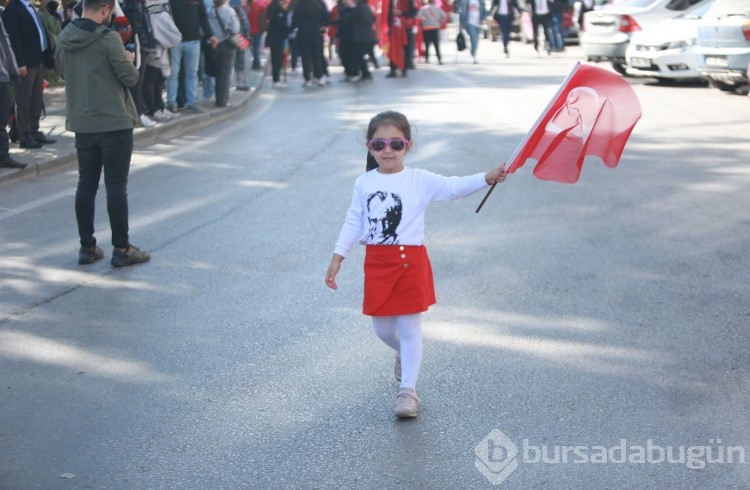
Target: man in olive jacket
100	111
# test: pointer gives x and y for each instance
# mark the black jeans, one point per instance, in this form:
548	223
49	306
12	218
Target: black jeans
311	54
544	20
361	50
4	112
276	45
110	151
224	62
431	36
153	88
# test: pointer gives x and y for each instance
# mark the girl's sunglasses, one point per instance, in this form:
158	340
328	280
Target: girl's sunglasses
396	144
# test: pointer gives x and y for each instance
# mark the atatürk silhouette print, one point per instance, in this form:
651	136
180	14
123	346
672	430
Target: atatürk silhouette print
384	214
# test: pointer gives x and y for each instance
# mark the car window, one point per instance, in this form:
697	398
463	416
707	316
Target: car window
697	12
678	5
722	8
636	3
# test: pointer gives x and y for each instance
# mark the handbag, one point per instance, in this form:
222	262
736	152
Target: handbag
234	41
460	41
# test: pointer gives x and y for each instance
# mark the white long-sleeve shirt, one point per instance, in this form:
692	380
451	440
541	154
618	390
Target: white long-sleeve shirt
388	209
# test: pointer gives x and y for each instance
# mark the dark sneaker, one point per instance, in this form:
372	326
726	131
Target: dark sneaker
89	255
30	144
195	109
8	162
133	255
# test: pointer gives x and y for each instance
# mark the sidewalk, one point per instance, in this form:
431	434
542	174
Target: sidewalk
62	154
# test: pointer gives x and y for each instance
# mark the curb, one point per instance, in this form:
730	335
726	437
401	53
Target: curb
144	137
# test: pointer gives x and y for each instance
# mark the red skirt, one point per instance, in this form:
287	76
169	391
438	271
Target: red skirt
398	280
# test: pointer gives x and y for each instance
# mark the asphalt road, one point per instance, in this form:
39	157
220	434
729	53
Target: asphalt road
601	327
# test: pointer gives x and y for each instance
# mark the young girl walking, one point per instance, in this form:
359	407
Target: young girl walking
387	216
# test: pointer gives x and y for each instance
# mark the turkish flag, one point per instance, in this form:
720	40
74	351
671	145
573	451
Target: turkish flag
593	113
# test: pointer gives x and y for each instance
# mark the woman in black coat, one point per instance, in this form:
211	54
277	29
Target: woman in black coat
360	20
309	19
277	32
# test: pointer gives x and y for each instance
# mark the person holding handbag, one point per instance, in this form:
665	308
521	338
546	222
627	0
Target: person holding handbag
224	24
471	17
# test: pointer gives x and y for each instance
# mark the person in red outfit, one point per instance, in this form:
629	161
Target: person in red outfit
400	16
256	14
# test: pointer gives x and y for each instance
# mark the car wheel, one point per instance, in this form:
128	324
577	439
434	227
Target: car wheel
724	87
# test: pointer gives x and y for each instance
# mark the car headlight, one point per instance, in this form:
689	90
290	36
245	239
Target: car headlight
682	43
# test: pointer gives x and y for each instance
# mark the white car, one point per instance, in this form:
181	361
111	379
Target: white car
665	50
607	32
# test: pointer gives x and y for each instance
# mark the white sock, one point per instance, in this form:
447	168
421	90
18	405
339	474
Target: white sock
403	334
385	328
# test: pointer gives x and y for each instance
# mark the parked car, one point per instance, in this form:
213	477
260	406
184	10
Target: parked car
607	31
665	50
723	45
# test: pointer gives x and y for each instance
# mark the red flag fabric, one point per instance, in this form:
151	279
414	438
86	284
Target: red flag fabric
593	113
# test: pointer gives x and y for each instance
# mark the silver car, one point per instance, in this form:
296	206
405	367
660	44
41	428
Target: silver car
606	32
723	45
665	50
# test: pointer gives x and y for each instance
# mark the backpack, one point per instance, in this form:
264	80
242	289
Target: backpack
164	30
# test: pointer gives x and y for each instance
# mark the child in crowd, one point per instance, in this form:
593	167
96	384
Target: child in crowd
387	215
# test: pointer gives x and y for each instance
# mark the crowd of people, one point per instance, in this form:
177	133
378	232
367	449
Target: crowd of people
181	45
175	44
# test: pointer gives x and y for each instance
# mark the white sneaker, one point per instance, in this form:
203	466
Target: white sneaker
147	121
321	81
161	116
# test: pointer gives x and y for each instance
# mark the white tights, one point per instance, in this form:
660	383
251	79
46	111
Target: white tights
403	333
